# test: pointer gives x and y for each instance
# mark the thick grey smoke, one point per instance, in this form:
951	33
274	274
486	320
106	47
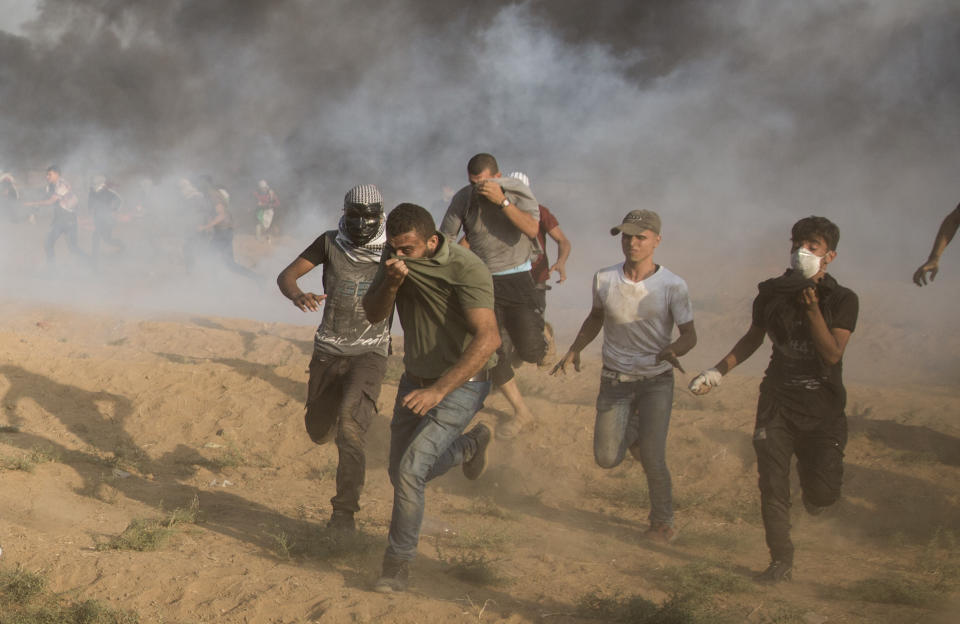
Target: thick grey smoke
731	119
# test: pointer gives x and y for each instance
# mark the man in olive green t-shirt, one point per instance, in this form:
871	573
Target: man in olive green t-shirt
444	299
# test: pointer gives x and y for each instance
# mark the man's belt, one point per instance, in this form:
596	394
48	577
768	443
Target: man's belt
617	376
425	382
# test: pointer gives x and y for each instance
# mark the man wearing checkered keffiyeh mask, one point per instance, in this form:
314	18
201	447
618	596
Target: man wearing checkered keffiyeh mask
350	354
361	234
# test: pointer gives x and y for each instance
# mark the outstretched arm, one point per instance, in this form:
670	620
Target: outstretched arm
944	235
588	331
745	347
287	281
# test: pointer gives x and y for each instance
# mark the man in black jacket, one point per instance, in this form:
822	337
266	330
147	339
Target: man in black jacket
809	318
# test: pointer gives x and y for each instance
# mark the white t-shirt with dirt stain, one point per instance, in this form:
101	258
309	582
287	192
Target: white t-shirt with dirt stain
639	317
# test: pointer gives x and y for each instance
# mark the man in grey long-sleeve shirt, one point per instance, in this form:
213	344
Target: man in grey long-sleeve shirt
500	218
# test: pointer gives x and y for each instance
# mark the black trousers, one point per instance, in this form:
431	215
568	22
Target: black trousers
521	325
342	401
819	452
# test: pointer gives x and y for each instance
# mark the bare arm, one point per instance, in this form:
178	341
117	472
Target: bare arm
43	202
482	322
945	234
588	331
287	281
563	252
379	300
745	347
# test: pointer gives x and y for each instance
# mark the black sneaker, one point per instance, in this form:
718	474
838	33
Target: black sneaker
474	467
341	521
777	571
394	577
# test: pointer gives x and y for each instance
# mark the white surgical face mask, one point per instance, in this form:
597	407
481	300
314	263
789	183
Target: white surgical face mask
805	261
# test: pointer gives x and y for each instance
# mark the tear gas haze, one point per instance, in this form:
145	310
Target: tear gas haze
732	120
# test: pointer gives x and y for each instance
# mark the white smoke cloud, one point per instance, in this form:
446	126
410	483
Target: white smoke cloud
731	119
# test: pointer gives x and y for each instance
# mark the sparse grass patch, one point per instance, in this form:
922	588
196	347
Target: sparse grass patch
323	473
471	567
19	586
283	546
701	578
336	546
471	556
9	429
480	539
783	614
485	506
24	599
891	590
230	457
743	508
622	492
144	535
26	463
725	540
677	609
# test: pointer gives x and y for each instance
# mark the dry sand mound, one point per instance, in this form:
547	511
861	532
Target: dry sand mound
108	420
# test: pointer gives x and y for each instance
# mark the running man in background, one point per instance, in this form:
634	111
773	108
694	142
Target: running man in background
103	203
267	205
809	318
500	218
945	234
637	303
217	229
9	197
444	298
64	223
349	353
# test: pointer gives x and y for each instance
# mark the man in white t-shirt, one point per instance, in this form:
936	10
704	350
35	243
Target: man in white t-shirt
637	303
64	223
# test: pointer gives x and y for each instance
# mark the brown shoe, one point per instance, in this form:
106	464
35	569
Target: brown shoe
662	533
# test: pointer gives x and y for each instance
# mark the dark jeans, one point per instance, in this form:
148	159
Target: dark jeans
342	400
819	452
635	415
540	297
62	227
521	325
103	231
423	448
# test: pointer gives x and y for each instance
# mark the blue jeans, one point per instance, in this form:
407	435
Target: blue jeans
422	448
635	415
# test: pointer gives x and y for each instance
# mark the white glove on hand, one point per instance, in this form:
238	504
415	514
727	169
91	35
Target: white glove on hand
705	380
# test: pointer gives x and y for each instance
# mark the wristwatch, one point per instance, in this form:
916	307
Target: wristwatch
505	202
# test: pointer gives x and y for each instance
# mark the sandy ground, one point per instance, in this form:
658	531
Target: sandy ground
128	417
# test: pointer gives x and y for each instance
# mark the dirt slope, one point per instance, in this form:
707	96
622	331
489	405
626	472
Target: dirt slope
120	418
